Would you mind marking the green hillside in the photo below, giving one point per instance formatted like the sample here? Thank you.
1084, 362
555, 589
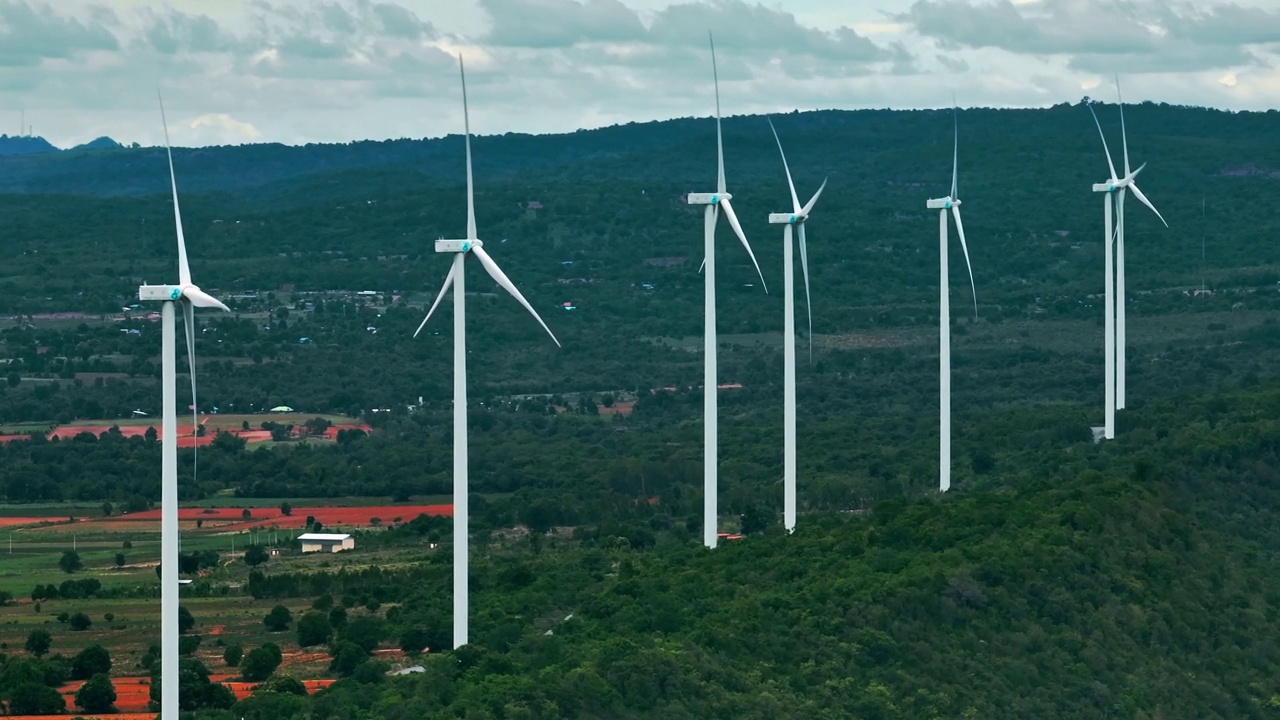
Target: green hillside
1059, 579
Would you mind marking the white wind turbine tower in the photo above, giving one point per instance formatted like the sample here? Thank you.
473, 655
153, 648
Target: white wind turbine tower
713, 202
457, 280
1114, 305
950, 202
796, 218
190, 297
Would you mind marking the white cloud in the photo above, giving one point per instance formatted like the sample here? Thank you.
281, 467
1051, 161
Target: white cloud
227, 129
333, 70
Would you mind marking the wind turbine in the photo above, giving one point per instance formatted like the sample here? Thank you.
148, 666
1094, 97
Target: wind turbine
1114, 326
457, 280
796, 218
950, 202
714, 202
190, 297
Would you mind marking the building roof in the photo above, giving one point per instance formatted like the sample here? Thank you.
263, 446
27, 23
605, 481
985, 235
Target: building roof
331, 537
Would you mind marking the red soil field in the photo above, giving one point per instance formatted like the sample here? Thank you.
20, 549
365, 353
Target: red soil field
185, 437
11, 521
133, 694
266, 517
350, 516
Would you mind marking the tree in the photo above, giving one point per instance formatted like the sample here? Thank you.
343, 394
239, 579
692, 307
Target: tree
231, 656
259, 664
79, 621
32, 698
188, 644
38, 642
194, 687
338, 617
278, 619
414, 640
70, 561
97, 695
286, 508
89, 662
245, 514
323, 603
120, 559
313, 629
347, 656
186, 620
364, 631
286, 684
107, 508
755, 520
255, 555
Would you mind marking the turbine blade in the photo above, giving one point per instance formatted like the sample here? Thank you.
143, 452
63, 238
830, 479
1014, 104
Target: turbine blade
955, 149
808, 303
200, 298
496, 273
795, 201
955, 209
814, 200
448, 283
1143, 199
715, 75
184, 270
189, 319
737, 229
1124, 137
466, 123
703, 265
1111, 166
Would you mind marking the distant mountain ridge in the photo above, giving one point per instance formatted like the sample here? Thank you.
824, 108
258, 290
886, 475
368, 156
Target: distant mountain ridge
878, 143
36, 145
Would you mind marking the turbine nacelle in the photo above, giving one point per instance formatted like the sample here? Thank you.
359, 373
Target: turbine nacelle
173, 293
159, 293
1115, 184
945, 203
457, 246
787, 218
708, 198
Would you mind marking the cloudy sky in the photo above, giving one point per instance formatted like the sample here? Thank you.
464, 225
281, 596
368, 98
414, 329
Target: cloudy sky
298, 71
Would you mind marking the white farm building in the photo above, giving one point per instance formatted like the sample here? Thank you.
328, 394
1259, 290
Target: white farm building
326, 542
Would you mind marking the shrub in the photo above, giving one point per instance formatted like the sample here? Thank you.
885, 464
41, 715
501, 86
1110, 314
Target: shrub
231, 656
278, 619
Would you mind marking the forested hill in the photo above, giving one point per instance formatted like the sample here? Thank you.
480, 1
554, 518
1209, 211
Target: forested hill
885, 144
1115, 593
